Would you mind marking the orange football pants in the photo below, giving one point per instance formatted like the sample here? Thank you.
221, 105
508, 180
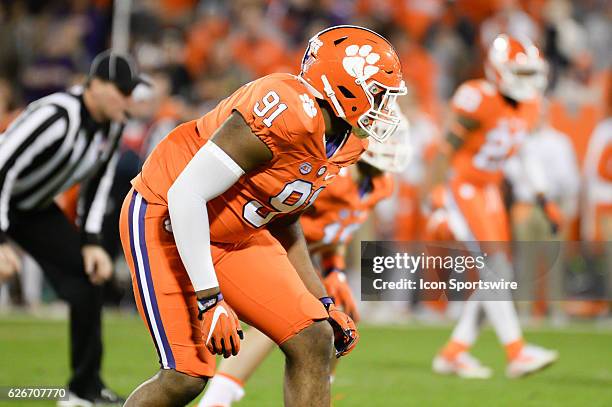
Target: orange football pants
255, 276
480, 208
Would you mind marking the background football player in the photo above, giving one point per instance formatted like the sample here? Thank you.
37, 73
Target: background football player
490, 119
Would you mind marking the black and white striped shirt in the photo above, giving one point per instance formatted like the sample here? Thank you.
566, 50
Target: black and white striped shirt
48, 148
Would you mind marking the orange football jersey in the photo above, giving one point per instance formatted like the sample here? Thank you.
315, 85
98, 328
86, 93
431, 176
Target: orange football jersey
502, 128
343, 207
283, 114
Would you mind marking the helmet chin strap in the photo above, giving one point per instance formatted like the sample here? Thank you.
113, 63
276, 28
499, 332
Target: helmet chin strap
311, 88
332, 96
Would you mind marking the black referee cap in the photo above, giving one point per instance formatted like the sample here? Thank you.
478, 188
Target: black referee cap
116, 68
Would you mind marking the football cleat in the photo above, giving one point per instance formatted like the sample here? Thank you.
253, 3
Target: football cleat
530, 360
464, 365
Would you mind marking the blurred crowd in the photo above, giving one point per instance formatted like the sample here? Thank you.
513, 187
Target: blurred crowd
197, 52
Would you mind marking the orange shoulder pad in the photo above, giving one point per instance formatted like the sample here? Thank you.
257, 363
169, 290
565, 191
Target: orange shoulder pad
470, 99
280, 110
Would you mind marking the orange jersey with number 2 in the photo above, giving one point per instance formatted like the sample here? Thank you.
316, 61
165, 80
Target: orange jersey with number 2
502, 128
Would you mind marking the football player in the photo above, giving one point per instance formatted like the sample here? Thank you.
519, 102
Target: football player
490, 119
211, 229
328, 226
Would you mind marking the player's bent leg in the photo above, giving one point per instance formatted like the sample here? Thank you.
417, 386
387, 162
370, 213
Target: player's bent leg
255, 348
168, 388
166, 302
307, 368
259, 282
227, 386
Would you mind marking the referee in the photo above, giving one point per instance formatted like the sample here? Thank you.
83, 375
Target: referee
58, 141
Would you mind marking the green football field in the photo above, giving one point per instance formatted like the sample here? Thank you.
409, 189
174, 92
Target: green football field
390, 367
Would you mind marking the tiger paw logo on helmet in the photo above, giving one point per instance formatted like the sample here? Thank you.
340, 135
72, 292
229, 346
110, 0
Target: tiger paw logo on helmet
359, 61
358, 73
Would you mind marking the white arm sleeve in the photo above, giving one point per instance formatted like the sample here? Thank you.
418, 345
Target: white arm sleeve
209, 173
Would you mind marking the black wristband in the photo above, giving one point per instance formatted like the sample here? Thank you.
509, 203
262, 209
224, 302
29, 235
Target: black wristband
204, 304
91, 239
327, 302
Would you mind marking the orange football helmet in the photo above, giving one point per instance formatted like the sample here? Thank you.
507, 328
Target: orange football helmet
516, 67
359, 73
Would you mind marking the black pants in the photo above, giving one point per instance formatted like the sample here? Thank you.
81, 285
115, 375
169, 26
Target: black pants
50, 238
